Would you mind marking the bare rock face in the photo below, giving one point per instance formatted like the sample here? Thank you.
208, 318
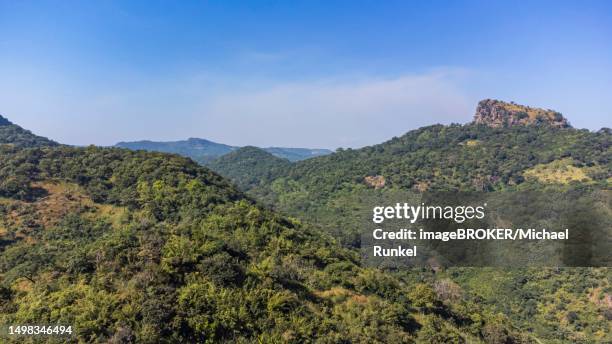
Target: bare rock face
377, 182
497, 114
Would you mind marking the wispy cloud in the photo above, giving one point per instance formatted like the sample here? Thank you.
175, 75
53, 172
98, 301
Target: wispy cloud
329, 113
341, 112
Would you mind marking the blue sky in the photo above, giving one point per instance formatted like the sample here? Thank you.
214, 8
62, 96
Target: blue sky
313, 73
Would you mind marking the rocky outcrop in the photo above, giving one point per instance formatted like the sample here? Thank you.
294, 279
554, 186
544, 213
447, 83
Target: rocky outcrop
377, 182
497, 114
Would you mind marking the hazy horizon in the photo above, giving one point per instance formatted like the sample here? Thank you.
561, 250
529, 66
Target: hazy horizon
301, 74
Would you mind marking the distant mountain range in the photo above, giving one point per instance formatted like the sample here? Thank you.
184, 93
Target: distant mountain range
136, 246
204, 151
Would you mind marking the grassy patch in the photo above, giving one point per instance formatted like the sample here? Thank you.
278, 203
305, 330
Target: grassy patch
560, 171
472, 143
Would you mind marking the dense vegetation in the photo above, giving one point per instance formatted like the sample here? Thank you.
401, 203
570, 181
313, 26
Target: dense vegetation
205, 151
250, 167
434, 158
131, 246
456, 157
15, 135
563, 305
147, 247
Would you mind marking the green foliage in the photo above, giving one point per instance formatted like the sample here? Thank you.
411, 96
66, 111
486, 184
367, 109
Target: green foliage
331, 192
550, 303
14, 135
147, 247
435, 158
438, 158
249, 167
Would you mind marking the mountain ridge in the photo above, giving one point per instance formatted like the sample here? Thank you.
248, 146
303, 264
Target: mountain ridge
249, 166
204, 151
13, 134
469, 157
495, 155
134, 246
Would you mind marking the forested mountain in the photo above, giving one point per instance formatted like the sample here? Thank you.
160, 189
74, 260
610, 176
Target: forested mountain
133, 246
15, 135
508, 147
250, 166
148, 247
479, 156
204, 151
200, 150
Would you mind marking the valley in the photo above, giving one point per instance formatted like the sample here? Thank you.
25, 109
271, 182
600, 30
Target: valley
305, 172
152, 247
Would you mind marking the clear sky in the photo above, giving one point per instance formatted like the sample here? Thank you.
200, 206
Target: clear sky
290, 73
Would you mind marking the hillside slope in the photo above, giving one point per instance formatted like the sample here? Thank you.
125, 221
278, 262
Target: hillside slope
477, 156
249, 166
332, 191
128, 246
15, 135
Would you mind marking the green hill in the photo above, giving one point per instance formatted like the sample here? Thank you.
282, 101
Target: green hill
15, 135
435, 158
537, 151
200, 150
249, 166
143, 247
472, 157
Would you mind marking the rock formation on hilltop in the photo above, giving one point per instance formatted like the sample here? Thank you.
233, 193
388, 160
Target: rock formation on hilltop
497, 114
